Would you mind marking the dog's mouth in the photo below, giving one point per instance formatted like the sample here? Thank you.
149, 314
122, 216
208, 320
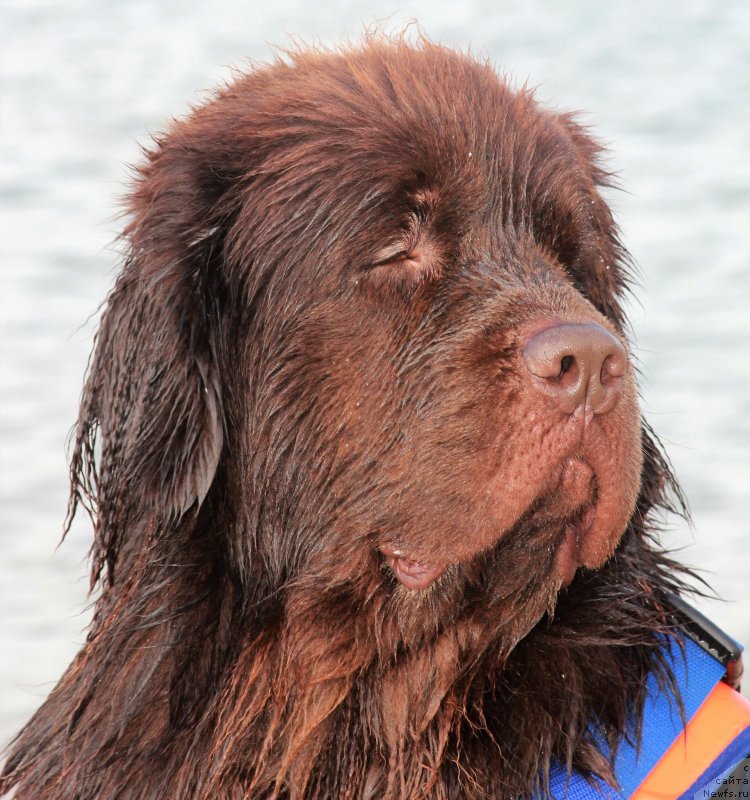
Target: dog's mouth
410, 573
571, 505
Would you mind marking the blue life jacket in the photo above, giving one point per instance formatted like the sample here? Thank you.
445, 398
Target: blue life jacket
700, 760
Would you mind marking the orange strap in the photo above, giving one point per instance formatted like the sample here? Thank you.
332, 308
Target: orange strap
723, 716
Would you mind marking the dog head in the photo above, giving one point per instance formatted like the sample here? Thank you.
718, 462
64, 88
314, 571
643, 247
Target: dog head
379, 292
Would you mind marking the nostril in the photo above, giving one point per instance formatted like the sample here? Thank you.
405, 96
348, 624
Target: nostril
566, 365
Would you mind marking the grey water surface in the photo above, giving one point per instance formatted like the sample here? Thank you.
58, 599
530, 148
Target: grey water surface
665, 84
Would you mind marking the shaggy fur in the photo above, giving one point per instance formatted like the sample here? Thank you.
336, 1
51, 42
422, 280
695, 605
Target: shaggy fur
312, 360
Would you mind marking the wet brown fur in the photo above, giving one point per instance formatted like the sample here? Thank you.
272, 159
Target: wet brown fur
312, 348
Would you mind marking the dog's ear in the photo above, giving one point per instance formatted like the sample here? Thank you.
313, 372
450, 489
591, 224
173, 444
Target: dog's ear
150, 430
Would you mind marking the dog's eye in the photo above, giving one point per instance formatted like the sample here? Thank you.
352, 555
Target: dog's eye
403, 270
395, 255
409, 261
414, 264
399, 259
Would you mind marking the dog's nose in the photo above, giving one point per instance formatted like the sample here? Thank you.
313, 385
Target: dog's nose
577, 363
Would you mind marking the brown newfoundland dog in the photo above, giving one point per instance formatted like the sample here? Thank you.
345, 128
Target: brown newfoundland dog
373, 500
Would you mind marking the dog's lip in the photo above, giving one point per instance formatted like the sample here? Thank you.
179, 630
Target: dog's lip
568, 557
410, 573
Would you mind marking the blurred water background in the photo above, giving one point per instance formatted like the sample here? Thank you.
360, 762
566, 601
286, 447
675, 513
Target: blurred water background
665, 84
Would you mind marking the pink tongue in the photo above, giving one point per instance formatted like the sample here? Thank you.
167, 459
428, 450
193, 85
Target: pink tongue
411, 574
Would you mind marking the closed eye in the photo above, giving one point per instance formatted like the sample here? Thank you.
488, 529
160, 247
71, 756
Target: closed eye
408, 261
396, 255
402, 271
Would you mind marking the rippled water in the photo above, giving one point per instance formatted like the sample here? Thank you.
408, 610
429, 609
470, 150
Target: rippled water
666, 84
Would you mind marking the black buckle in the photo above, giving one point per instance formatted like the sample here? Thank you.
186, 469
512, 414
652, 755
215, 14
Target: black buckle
711, 638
